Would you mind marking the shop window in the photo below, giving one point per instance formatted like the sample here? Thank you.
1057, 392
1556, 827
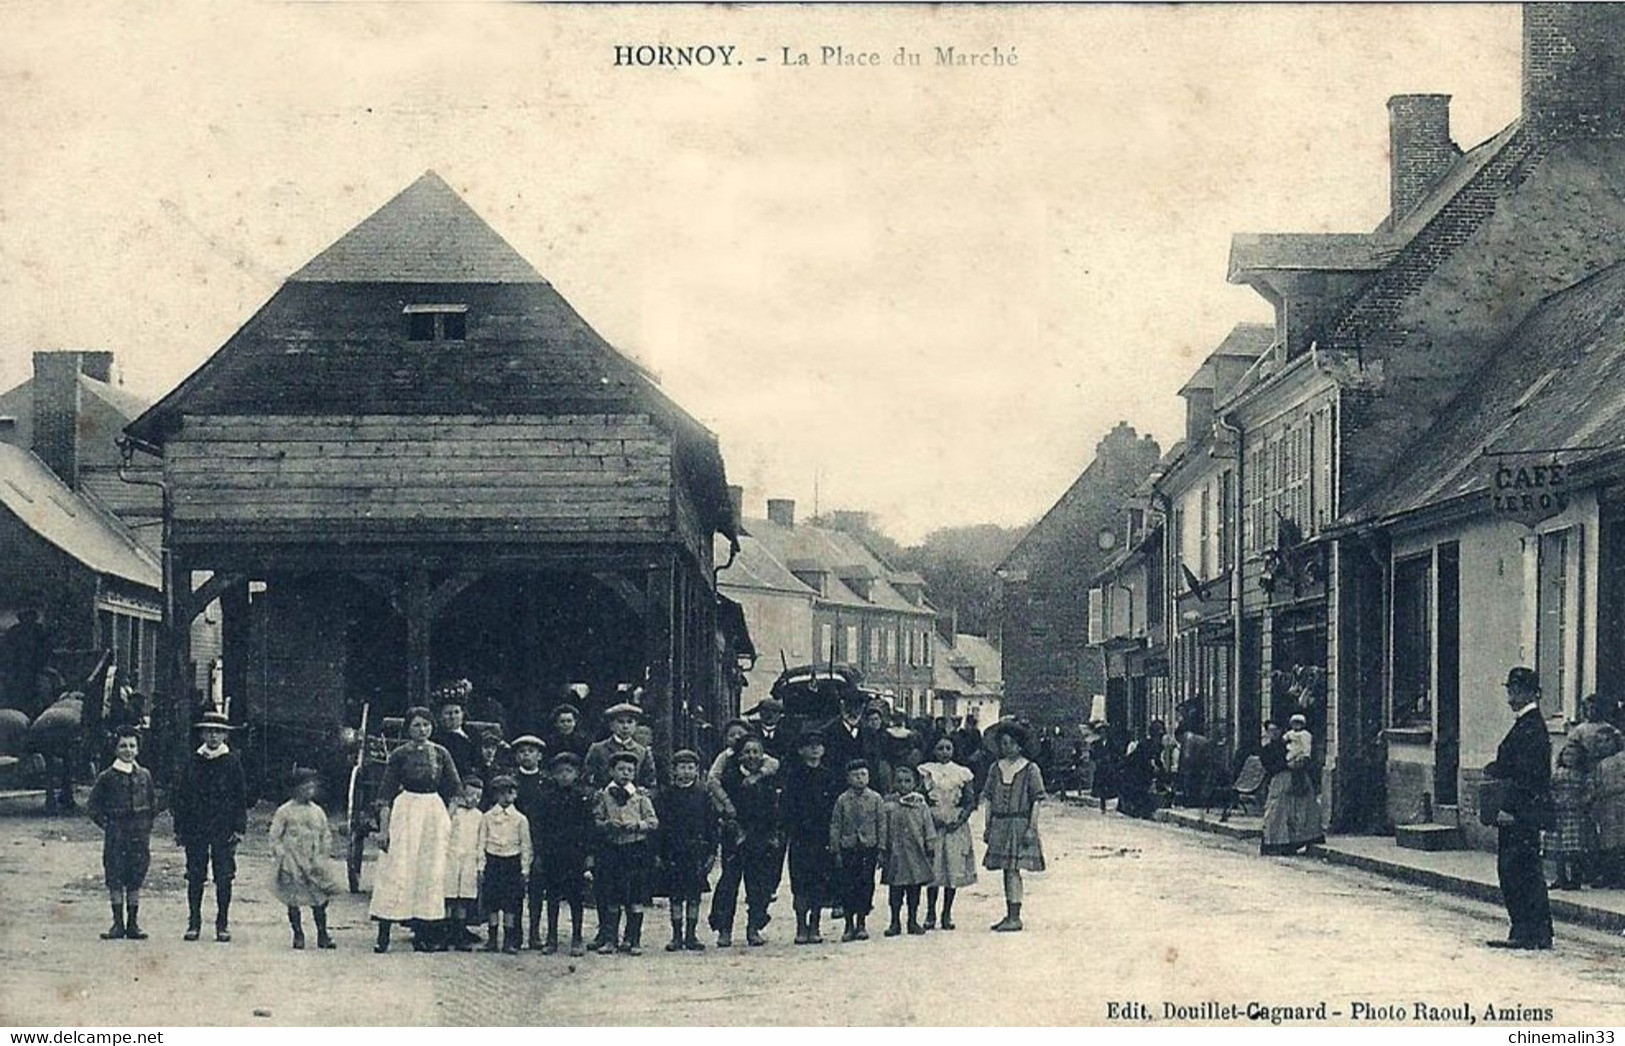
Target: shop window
852, 637
1413, 642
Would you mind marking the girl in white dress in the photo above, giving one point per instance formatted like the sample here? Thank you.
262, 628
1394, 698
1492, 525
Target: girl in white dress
951, 794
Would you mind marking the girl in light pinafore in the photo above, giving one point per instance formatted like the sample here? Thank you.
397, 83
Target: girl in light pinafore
1013, 790
301, 845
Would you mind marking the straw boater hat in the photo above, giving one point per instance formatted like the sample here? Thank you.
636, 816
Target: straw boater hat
213, 721
624, 708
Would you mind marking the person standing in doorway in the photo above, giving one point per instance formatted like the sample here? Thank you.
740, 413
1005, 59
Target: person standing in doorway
210, 808
1523, 762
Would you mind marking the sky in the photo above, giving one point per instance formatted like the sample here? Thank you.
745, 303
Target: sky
925, 291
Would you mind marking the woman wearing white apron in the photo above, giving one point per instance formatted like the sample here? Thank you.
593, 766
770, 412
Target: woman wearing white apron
413, 830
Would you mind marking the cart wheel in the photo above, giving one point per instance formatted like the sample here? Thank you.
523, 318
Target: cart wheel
358, 847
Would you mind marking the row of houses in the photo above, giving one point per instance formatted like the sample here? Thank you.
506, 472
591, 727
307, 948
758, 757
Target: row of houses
82, 527
815, 592
1406, 485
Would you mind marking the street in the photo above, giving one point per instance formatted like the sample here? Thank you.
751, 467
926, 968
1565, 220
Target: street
1131, 919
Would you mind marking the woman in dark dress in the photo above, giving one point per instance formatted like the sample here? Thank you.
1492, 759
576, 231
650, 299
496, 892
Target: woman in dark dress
1292, 818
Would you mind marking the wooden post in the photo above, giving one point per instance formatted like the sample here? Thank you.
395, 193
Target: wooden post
660, 600
415, 604
234, 648
173, 709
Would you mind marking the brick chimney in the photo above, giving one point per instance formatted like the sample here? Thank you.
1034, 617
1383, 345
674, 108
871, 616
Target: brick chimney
98, 365
1419, 148
56, 412
781, 511
736, 499
1574, 69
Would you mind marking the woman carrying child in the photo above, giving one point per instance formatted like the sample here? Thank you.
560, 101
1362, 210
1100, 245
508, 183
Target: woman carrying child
1013, 791
302, 846
951, 795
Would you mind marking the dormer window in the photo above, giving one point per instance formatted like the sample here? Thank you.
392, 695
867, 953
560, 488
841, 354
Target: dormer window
436, 322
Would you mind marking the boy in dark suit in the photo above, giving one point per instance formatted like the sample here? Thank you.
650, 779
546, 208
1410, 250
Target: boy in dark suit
122, 803
564, 831
210, 807
1524, 762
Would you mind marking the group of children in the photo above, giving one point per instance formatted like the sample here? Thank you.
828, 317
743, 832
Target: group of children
535, 837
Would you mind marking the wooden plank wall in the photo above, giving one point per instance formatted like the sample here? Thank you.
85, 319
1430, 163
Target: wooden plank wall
578, 477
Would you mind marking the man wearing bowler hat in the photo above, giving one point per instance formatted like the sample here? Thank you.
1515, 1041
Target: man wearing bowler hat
210, 806
1524, 763
768, 718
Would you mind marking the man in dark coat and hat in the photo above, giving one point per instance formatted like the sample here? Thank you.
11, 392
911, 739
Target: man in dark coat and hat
768, 719
1523, 763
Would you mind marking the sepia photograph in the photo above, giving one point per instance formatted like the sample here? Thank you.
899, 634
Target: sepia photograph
872, 516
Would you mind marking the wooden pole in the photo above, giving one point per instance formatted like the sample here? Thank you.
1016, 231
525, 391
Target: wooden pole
658, 630
417, 608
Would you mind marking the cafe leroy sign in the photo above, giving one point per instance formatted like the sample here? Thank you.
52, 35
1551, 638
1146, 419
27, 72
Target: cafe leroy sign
1529, 486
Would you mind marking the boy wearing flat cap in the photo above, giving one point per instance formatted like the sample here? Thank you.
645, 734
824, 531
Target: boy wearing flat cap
623, 720
626, 819
209, 803
530, 782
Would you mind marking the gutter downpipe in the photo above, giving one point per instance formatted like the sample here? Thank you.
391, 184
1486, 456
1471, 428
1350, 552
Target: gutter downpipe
172, 672
1227, 423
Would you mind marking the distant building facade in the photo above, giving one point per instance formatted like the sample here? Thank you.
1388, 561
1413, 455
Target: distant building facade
1050, 673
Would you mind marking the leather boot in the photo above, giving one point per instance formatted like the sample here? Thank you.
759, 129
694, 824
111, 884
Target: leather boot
510, 940
298, 926
1011, 922
222, 912
492, 942
383, 937
634, 934
535, 941
676, 943
323, 940
194, 912
132, 923
115, 932
691, 942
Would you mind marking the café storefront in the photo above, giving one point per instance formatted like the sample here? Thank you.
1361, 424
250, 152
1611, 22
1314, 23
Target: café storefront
1510, 573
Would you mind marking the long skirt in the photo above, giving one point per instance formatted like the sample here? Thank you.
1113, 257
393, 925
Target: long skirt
411, 879
1291, 821
954, 862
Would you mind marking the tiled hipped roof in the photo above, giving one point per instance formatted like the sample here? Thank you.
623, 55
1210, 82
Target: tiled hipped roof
1503, 165
333, 341
834, 553
426, 234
